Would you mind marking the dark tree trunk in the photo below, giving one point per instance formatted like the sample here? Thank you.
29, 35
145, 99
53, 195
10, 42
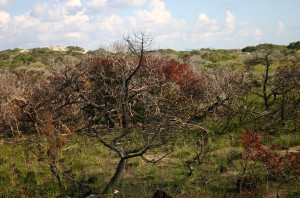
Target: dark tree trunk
266, 99
56, 175
116, 176
282, 110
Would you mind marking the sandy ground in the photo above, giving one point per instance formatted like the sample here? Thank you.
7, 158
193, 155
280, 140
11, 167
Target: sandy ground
58, 48
23, 51
55, 48
63, 49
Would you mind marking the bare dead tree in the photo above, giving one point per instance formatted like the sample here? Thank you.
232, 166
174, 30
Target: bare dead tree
274, 87
131, 101
127, 103
263, 57
138, 114
287, 86
32, 106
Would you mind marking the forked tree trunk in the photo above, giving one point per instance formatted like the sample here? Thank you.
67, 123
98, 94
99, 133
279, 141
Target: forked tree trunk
116, 176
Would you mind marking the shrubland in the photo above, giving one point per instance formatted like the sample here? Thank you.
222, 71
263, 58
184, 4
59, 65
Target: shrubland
130, 121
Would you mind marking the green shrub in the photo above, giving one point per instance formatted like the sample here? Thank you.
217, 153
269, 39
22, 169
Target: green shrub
75, 48
195, 52
17, 49
3, 63
167, 51
249, 49
294, 45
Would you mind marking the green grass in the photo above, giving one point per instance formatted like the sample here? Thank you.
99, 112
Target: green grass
23, 175
288, 140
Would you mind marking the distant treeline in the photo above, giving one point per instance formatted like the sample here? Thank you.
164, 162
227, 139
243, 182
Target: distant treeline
293, 45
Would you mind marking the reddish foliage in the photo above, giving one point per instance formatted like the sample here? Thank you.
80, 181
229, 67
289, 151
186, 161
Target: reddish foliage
291, 164
107, 63
278, 147
283, 168
180, 73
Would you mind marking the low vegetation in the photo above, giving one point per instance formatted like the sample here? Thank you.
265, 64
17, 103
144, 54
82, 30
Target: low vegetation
135, 122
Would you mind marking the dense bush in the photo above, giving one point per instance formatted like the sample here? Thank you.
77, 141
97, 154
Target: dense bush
141, 106
75, 48
294, 45
282, 167
249, 49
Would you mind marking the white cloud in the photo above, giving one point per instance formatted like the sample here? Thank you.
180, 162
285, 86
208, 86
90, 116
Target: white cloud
4, 18
56, 12
112, 23
230, 20
4, 3
97, 4
157, 14
205, 22
108, 4
126, 3
4, 21
76, 35
244, 29
159, 22
24, 21
257, 33
209, 30
281, 27
45, 12
69, 22
49, 24
71, 3
203, 19
65, 22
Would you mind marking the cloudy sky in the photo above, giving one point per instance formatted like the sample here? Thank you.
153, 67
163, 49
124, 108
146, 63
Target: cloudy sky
177, 24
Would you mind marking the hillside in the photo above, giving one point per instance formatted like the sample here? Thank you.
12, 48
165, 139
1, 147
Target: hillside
137, 123
203, 58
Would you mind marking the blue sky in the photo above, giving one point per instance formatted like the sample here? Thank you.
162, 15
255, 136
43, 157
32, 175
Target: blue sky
176, 24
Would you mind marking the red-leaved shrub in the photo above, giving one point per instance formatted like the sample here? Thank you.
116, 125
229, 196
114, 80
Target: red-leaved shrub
284, 168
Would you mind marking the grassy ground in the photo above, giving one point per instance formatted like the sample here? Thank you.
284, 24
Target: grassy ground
23, 175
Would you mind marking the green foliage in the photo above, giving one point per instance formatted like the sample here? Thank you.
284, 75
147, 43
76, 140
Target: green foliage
249, 49
167, 51
294, 45
182, 54
17, 49
40, 51
16, 63
264, 46
218, 56
38, 56
23, 174
288, 140
195, 52
75, 48
216, 177
6, 54
3, 63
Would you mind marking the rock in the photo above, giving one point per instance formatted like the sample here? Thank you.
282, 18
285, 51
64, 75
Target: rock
115, 192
